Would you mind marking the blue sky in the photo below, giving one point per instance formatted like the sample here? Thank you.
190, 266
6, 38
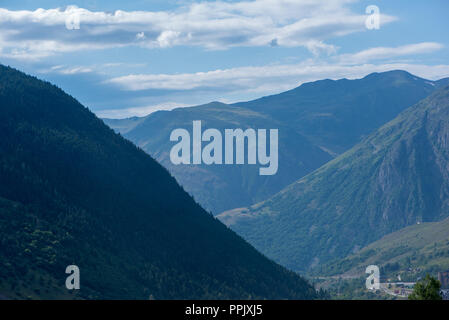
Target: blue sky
135, 57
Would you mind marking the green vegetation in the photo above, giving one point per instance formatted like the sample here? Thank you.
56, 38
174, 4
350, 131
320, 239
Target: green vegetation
426, 289
410, 253
74, 192
394, 178
351, 289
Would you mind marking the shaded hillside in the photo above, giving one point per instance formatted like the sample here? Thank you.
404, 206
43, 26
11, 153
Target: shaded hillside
396, 177
316, 122
220, 187
74, 192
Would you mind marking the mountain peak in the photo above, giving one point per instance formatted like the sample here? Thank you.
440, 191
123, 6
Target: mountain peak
394, 76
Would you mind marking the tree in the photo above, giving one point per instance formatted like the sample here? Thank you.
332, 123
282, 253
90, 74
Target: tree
426, 289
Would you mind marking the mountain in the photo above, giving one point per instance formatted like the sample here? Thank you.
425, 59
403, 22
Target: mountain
220, 187
411, 252
316, 122
396, 177
74, 192
336, 114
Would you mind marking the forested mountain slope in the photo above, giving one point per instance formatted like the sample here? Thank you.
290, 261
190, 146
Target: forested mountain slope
74, 192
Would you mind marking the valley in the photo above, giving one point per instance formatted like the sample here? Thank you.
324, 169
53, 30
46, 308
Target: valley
394, 178
316, 121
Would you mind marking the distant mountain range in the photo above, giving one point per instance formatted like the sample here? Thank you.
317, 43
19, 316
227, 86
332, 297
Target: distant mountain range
74, 192
317, 121
396, 177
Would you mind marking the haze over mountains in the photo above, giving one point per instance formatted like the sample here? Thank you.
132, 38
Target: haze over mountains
396, 177
74, 192
317, 121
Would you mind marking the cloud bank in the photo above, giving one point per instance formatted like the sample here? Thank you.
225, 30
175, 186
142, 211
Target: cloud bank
285, 76
211, 25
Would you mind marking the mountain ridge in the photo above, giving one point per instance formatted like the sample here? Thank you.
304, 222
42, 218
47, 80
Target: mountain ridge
395, 177
317, 121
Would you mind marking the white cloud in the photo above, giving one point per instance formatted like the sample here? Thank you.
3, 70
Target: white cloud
318, 47
72, 70
273, 78
168, 38
212, 25
390, 52
138, 111
140, 35
97, 68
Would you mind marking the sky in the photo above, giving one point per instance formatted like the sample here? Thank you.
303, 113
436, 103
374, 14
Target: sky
123, 59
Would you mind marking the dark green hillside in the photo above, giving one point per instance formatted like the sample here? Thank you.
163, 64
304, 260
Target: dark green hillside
74, 192
408, 254
398, 176
411, 252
